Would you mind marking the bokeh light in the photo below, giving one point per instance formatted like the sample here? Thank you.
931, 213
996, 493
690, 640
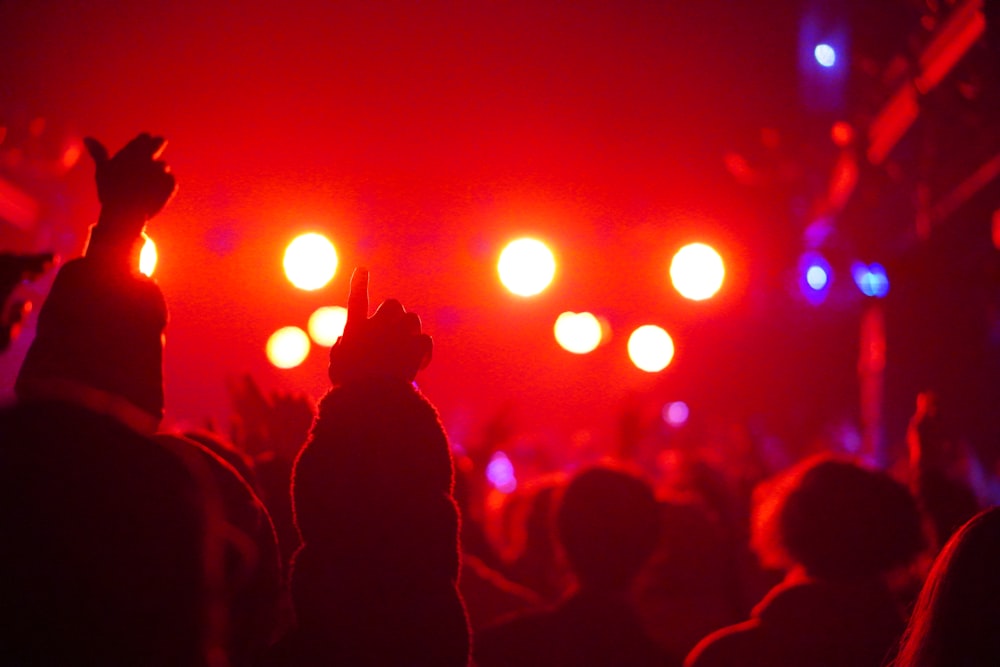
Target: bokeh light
676, 413
816, 277
310, 261
326, 325
697, 271
650, 348
871, 279
500, 473
578, 333
842, 133
288, 347
147, 256
526, 267
825, 55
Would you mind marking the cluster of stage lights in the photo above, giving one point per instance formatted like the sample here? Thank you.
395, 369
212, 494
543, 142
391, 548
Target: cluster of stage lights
526, 267
816, 278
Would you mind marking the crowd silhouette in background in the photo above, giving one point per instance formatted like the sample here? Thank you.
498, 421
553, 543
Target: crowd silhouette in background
350, 534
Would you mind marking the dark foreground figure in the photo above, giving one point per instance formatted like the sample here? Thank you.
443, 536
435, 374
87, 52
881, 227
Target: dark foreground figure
608, 525
839, 530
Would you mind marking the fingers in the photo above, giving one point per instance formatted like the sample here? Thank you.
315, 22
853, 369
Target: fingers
426, 346
389, 313
357, 302
96, 149
409, 324
143, 147
157, 145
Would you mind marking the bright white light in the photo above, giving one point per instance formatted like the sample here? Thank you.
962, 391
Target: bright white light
816, 277
676, 413
697, 271
310, 261
650, 348
526, 267
578, 333
326, 325
825, 55
288, 347
147, 256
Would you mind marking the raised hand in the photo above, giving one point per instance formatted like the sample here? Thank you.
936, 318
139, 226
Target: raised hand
264, 425
928, 444
132, 186
389, 344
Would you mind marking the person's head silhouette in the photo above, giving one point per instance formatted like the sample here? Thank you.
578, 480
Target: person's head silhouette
608, 524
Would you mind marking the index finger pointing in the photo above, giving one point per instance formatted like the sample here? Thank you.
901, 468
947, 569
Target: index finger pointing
357, 302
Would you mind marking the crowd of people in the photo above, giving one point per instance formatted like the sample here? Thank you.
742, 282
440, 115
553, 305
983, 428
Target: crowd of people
351, 534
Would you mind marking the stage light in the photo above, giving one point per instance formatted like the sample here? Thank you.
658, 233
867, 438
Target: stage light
288, 347
842, 133
578, 333
816, 277
676, 413
500, 473
326, 325
650, 348
825, 55
697, 271
871, 279
147, 256
310, 261
526, 266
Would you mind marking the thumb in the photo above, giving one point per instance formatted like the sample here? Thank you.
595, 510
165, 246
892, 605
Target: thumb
96, 150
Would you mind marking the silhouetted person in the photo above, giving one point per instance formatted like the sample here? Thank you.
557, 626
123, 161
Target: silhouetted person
937, 479
537, 565
955, 621
102, 552
144, 548
375, 580
608, 524
838, 529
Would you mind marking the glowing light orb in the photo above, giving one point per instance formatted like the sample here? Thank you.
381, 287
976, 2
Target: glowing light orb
825, 55
697, 271
326, 325
871, 279
500, 473
288, 347
310, 261
147, 257
650, 348
816, 277
578, 333
676, 413
526, 267
842, 133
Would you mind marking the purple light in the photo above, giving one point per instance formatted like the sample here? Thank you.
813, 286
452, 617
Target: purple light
500, 473
825, 55
816, 277
871, 279
676, 413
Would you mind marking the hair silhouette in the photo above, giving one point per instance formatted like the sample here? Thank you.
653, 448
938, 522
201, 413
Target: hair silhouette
955, 619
